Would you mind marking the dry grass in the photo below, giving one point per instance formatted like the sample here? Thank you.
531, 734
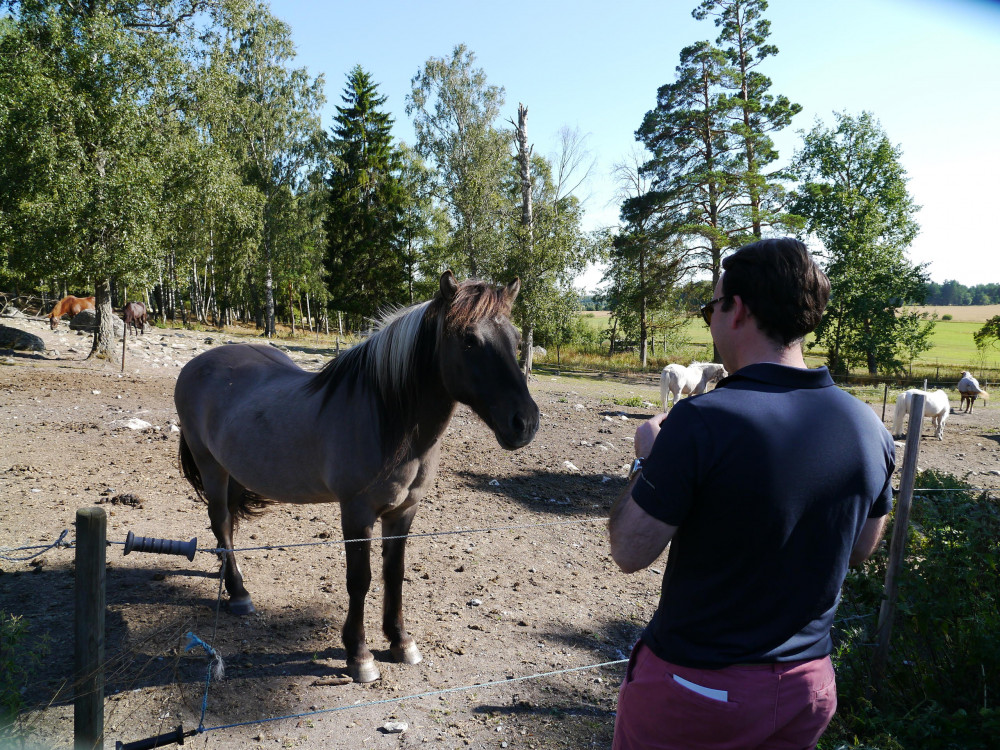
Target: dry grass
961, 313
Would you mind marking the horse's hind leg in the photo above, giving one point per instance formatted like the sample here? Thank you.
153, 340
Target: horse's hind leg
401, 643
223, 493
360, 662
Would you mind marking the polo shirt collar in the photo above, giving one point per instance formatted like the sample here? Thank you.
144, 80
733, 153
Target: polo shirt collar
781, 375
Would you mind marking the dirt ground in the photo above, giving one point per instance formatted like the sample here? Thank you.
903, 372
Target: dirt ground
527, 587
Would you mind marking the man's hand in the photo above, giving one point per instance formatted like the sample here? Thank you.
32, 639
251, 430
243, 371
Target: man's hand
645, 435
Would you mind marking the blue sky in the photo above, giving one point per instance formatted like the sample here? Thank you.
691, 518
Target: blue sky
929, 70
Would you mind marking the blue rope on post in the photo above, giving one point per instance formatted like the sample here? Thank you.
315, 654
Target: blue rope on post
218, 668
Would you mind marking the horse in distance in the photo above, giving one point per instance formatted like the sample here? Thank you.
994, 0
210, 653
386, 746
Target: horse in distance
936, 407
969, 390
135, 316
69, 305
364, 432
678, 380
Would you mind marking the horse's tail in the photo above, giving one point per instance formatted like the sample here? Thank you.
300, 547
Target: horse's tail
190, 469
242, 504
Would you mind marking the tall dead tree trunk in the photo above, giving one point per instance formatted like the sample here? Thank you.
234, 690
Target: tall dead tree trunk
527, 219
269, 326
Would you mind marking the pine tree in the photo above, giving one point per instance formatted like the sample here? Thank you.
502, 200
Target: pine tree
366, 222
754, 113
693, 193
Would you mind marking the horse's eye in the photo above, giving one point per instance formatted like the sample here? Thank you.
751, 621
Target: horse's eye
470, 341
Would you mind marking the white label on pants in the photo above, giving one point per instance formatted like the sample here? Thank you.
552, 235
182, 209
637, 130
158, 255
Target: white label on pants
719, 695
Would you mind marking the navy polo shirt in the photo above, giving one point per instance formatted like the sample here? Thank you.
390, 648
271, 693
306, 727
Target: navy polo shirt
769, 478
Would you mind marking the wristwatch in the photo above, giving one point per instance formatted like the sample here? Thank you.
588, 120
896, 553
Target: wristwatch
636, 467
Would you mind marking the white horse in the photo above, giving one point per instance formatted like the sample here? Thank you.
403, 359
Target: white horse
968, 389
688, 381
936, 407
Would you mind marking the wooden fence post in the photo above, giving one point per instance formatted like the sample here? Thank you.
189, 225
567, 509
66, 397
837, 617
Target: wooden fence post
897, 547
88, 649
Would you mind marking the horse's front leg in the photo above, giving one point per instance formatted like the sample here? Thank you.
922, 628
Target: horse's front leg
360, 662
401, 643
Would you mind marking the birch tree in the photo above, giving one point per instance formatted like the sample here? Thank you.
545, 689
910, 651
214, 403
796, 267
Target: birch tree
274, 133
454, 112
87, 132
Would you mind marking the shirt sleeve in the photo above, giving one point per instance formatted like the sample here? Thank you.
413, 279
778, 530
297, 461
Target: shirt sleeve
667, 483
883, 503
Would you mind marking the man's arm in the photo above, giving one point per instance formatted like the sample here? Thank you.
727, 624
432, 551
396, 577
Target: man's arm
871, 535
637, 538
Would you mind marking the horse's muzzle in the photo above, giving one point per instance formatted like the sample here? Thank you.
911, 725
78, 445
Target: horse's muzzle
518, 428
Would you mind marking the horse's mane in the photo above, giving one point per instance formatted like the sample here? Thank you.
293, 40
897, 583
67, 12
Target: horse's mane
386, 358
399, 353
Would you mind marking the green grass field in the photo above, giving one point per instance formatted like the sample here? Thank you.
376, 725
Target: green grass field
953, 348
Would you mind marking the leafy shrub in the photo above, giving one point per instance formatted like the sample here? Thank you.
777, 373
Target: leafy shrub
17, 664
946, 316
942, 681
628, 401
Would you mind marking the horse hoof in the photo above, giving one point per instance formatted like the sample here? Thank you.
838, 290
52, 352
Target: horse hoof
406, 655
364, 671
241, 606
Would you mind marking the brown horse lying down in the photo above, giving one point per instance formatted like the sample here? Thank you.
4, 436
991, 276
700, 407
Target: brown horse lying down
69, 305
135, 316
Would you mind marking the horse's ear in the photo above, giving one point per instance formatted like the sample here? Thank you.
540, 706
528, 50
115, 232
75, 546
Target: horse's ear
449, 286
510, 291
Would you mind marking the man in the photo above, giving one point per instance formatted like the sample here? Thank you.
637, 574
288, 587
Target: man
766, 488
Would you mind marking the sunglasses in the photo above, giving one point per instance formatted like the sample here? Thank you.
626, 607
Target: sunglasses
709, 307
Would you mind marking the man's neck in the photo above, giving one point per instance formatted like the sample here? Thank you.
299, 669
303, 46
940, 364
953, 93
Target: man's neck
768, 351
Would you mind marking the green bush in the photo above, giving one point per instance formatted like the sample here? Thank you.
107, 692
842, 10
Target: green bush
17, 664
941, 689
636, 401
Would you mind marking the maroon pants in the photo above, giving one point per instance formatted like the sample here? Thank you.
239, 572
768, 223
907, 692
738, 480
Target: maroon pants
742, 707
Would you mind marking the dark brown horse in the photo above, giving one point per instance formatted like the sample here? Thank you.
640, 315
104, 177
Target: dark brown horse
365, 432
135, 316
69, 305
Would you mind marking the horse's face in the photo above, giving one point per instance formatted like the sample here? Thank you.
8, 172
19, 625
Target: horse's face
479, 368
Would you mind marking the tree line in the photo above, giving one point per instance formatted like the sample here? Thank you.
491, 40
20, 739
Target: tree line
168, 150
953, 293
709, 180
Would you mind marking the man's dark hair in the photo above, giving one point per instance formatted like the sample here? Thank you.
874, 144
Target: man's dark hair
781, 284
